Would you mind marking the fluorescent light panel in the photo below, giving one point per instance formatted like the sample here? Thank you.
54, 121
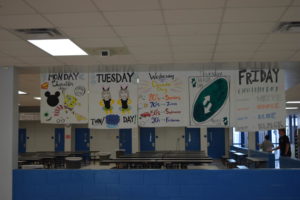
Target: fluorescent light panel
291, 108
293, 102
21, 92
37, 98
59, 47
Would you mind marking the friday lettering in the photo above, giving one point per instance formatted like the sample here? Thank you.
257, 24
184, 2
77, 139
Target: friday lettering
262, 75
63, 76
114, 77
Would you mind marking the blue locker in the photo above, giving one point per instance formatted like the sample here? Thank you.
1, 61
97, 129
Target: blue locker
22, 140
125, 140
192, 139
59, 139
82, 139
147, 139
216, 142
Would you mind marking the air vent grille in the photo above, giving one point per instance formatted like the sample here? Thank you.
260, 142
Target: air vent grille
39, 33
288, 27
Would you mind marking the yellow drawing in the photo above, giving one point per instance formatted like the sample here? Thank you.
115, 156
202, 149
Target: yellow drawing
106, 102
124, 100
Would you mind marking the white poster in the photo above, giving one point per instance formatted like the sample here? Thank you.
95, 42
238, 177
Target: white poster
64, 98
112, 100
258, 101
209, 99
163, 98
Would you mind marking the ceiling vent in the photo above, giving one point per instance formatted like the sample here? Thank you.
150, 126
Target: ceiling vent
107, 51
39, 33
288, 27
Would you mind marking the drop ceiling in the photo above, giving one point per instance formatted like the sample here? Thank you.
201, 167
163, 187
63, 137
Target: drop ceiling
153, 31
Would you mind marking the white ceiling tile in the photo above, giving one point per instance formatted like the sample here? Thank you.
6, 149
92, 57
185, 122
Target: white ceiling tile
193, 16
7, 36
146, 41
192, 56
10, 7
193, 40
113, 5
149, 50
296, 3
20, 48
24, 21
292, 14
253, 14
233, 56
283, 38
59, 6
257, 3
236, 48
192, 4
191, 61
273, 55
154, 57
140, 31
193, 29
117, 60
78, 60
134, 18
241, 39
193, 49
280, 46
96, 43
89, 32
9, 61
40, 61
295, 57
247, 28
77, 19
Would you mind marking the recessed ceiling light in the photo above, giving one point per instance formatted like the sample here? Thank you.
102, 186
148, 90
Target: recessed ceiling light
21, 92
293, 102
37, 98
59, 47
291, 108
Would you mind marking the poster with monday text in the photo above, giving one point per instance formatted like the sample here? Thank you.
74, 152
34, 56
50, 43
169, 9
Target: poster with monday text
163, 99
112, 100
64, 98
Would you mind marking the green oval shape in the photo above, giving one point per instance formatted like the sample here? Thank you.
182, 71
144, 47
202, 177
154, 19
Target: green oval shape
210, 100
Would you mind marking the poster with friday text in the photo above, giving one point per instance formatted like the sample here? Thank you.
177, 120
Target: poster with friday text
209, 99
64, 98
112, 100
258, 101
162, 99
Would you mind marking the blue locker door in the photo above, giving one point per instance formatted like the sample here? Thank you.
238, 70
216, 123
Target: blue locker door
216, 142
22, 140
192, 139
82, 139
125, 140
59, 139
147, 139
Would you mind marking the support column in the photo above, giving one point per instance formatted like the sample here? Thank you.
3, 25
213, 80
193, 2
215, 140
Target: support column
251, 140
135, 140
68, 137
203, 136
9, 130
